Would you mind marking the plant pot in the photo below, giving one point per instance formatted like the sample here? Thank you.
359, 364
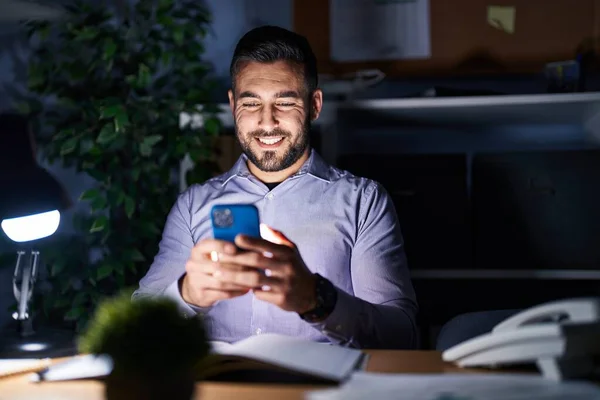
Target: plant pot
134, 387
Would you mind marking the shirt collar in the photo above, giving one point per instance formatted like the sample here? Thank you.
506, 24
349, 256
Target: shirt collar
314, 165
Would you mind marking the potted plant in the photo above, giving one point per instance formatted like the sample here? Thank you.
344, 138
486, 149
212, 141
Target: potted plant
106, 90
155, 351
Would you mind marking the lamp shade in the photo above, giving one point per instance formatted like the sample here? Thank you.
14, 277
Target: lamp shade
25, 188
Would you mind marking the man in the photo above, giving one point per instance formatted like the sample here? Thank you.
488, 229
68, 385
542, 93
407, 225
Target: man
335, 268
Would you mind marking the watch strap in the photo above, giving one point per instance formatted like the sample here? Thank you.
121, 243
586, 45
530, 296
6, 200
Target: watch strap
326, 295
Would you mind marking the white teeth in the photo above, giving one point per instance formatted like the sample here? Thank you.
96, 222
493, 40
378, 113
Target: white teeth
269, 140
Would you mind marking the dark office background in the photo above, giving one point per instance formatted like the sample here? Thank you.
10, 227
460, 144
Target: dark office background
473, 194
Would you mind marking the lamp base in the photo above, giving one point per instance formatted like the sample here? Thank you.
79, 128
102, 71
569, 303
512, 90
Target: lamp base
44, 343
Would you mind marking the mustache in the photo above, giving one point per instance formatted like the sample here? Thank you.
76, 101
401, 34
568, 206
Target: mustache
274, 133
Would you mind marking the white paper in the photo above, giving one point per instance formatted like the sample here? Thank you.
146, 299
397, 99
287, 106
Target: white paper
365, 385
78, 367
365, 30
319, 359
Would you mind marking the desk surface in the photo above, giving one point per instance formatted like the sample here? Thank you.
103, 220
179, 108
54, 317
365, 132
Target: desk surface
390, 361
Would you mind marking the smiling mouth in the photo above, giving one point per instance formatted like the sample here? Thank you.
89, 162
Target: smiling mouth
270, 140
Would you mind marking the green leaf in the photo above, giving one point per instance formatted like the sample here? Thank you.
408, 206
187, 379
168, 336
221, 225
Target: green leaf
98, 203
62, 301
104, 271
145, 150
129, 206
212, 126
80, 298
58, 266
68, 146
143, 76
178, 35
107, 134
121, 120
110, 111
89, 194
109, 49
135, 173
136, 255
74, 313
152, 140
87, 33
99, 224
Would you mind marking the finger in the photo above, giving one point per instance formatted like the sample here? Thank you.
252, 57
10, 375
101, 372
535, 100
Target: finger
207, 267
254, 260
249, 279
214, 294
270, 296
203, 248
274, 236
213, 283
262, 246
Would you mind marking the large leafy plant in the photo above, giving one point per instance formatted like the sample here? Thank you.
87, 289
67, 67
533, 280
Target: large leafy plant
109, 87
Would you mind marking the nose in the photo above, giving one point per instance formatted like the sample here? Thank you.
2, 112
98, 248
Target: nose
268, 120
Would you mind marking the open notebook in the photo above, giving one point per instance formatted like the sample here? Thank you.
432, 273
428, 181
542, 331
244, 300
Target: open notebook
267, 357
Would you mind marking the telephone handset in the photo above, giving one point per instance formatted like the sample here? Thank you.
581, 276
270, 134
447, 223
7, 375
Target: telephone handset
582, 310
561, 337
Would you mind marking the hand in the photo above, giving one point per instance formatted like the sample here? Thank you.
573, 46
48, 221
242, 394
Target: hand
200, 286
285, 280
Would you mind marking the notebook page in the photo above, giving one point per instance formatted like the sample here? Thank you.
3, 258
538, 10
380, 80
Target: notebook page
302, 355
457, 387
218, 347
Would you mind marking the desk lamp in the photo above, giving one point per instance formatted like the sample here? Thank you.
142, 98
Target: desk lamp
30, 204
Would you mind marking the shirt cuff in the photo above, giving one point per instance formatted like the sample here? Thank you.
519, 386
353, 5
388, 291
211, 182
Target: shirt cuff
188, 310
338, 326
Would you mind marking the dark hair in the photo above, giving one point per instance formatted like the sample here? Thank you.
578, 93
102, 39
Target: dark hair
268, 44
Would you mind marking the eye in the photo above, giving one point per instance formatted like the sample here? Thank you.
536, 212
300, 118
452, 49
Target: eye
250, 105
285, 104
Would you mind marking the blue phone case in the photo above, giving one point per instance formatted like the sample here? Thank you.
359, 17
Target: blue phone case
230, 220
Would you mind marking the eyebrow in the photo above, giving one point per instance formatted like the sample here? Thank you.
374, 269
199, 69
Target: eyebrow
285, 93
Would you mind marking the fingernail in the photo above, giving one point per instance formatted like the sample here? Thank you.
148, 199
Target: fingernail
265, 288
267, 254
268, 272
214, 256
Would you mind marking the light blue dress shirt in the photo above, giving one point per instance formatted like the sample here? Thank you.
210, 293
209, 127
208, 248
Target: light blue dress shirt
345, 228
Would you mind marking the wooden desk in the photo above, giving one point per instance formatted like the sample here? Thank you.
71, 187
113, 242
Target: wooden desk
19, 388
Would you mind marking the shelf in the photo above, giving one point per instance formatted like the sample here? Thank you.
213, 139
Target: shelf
570, 108
537, 274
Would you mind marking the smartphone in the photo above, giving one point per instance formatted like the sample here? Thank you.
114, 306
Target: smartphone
230, 220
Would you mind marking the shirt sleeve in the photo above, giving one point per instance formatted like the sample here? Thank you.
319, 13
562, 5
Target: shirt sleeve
382, 310
162, 279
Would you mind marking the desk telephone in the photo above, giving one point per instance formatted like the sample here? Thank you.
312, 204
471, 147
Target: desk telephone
561, 337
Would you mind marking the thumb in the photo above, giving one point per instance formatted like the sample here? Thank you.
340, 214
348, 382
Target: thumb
274, 236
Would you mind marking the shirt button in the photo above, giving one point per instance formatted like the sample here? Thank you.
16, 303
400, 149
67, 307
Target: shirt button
258, 331
270, 196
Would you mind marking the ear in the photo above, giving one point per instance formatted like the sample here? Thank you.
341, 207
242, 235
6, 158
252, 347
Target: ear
231, 100
316, 104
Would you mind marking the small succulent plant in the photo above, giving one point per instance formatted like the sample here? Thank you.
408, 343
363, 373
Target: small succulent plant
146, 337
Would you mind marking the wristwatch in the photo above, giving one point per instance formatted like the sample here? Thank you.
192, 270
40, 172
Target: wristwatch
326, 299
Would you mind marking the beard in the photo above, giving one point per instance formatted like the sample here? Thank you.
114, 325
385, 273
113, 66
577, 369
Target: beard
269, 160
